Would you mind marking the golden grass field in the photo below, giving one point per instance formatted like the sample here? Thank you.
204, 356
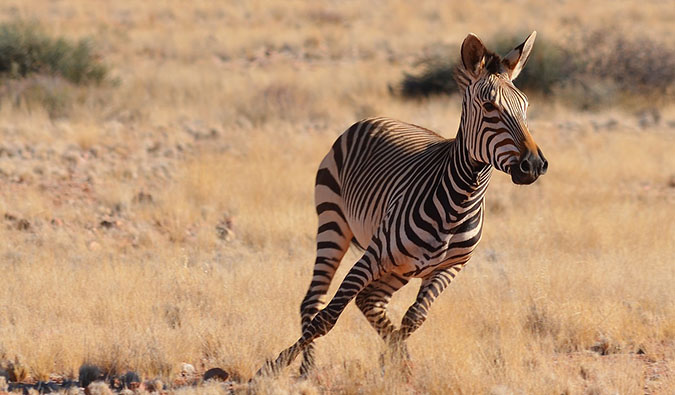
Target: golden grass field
168, 217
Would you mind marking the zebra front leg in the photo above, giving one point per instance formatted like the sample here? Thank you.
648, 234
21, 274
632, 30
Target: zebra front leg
357, 279
430, 289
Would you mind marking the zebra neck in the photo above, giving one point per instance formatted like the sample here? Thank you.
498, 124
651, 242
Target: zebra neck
464, 176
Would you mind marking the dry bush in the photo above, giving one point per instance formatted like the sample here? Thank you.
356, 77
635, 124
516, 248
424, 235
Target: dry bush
589, 71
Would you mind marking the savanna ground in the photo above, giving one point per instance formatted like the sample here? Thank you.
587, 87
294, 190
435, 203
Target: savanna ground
166, 214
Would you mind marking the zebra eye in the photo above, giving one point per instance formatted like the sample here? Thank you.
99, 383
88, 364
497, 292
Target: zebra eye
489, 106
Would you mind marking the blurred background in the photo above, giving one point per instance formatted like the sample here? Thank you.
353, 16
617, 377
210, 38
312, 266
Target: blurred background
157, 162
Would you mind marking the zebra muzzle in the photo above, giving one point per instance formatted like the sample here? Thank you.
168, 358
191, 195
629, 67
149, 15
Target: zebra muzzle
529, 168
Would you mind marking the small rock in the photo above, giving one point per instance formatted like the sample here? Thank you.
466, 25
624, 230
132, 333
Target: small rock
89, 373
605, 346
155, 385
23, 224
3, 382
217, 374
143, 197
225, 228
98, 388
187, 370
130, 379
47, 387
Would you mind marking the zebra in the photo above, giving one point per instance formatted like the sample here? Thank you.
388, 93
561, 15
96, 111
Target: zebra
413, 201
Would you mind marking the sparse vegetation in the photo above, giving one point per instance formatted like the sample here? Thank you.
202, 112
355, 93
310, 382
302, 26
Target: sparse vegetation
41, 72
593, 71
170, 221
25, 49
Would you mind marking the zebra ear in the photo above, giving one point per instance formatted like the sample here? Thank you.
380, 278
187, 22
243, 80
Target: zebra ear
515, 60
473, 54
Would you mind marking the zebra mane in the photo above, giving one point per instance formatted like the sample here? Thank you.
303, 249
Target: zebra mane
492, 64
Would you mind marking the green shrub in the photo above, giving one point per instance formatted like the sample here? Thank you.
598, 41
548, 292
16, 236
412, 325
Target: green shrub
25, 49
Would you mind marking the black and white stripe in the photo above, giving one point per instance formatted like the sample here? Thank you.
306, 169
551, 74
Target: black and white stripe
413, 200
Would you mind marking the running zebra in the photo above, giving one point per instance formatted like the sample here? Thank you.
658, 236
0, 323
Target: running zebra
413, 201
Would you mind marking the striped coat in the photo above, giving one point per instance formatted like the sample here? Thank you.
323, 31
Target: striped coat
413, 201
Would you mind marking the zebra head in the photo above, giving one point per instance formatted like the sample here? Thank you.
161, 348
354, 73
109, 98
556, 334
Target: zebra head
494, 111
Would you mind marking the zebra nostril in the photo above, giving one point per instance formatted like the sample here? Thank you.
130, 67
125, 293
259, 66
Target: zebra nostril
525, 166
544, 167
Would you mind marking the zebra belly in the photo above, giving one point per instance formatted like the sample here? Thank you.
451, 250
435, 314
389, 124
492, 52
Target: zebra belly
427, 264
455, 249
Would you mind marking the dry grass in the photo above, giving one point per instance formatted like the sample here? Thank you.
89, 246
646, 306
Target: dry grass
169, 219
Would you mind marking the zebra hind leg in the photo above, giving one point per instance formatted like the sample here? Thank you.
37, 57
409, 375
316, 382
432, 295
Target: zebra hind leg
333, 239
356, 280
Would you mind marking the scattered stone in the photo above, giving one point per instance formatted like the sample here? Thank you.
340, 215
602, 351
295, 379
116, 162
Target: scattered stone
130, 380
3, 382
47, 387
93, 245
18, 223
98, 388
90, 373
154, 147
155, 385
225, 228
604, 125
604, 346
187, 370
217, 374
143, 197
105, 224
23, 224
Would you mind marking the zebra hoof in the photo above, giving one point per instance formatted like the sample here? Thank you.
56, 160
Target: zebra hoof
397, 364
